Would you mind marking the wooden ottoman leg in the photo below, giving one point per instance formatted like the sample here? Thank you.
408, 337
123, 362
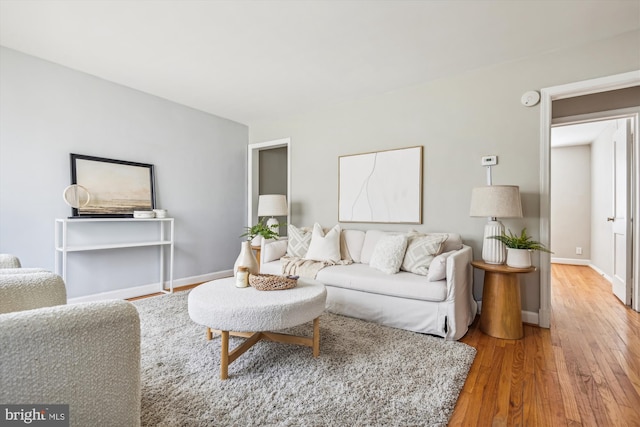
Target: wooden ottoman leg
224, 355
316, 337
209, 334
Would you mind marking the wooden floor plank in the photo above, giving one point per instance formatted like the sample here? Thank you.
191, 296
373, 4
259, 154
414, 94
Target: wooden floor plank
584, 371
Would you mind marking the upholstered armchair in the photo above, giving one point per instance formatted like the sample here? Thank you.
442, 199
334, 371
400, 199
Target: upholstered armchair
85, 355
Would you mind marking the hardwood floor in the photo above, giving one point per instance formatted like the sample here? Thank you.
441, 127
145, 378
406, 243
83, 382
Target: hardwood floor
585, 370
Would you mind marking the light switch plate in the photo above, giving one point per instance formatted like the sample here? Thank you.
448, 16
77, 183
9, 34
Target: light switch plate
489, 160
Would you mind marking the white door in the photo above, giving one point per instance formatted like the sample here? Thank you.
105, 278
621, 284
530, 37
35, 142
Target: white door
621, 217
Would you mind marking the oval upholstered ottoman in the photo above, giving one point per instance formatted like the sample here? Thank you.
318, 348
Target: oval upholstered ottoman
247, 312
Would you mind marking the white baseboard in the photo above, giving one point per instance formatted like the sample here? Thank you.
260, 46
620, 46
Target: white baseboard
571, 261
602, 273
527, 316
150, 288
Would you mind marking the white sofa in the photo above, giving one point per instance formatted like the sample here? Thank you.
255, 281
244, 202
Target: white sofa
403, 300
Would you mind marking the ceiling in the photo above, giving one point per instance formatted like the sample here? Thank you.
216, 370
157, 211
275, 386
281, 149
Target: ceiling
578, 134
250, 61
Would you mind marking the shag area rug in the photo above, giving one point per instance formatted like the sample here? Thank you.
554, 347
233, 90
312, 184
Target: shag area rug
366, 375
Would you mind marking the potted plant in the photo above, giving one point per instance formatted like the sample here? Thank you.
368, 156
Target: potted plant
261, 229
519, 248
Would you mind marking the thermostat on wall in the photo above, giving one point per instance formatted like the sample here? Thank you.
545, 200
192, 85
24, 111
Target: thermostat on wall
531, 98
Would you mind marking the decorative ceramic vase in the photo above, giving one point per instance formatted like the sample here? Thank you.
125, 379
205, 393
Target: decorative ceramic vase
246, 259
518, 258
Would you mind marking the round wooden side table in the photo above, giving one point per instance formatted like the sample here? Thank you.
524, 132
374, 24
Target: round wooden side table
501, 315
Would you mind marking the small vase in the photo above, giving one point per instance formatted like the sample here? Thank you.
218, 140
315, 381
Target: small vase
246, 259
518, 258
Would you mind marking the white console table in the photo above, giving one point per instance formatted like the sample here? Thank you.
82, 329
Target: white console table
163, 239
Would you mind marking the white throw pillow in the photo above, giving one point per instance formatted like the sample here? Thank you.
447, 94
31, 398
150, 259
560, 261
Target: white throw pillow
388, 253
324, 247
421, 250
298, 241
438, 267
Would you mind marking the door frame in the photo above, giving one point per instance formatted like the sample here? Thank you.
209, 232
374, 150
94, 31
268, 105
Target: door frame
547, 96
253, 162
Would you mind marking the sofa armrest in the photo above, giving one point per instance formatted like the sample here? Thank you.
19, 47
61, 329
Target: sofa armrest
460, 292
272, 249
85, 355
9, 261
30, 289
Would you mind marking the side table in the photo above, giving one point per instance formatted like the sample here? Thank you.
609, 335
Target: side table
501, 315
257, 249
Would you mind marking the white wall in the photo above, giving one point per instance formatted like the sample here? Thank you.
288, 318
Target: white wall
48, 111
571, 202
458, 120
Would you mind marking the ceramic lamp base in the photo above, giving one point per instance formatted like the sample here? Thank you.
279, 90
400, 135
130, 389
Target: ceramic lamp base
271, 222
493, 251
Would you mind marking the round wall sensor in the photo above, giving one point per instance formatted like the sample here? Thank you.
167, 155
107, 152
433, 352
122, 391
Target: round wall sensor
531, 98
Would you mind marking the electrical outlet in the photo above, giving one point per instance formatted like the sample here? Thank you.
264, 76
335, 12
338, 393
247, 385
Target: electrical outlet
489, 160
578, 250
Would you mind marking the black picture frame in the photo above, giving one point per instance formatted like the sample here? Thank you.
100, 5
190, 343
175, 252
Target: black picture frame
117, 187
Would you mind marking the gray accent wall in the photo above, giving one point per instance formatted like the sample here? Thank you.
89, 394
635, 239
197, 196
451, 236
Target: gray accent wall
48, 111
458, 120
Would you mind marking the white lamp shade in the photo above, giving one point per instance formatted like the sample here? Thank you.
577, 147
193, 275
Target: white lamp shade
272, 205
496, 201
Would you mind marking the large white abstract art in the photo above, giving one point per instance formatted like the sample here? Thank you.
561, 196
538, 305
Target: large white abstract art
383, 187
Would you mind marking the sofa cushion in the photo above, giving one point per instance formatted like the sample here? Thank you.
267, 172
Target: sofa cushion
370, 240
362, 277
273, 251
421, 250
388, 254
351, 244
438, 267
298, 241
324, 247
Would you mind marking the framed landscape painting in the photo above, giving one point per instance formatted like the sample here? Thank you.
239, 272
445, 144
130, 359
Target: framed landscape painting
116, 187
381, 187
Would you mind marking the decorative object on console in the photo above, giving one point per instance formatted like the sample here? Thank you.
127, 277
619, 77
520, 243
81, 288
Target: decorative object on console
160, 213
76, 196
144, 214
382, 187
273, 205
117, 187
246, 259
519, 248
495, 201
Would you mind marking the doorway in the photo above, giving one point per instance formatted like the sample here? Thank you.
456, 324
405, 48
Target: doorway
269, 172
587, 176
548, 95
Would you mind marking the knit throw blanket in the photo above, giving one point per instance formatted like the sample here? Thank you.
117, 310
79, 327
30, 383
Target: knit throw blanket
294, 266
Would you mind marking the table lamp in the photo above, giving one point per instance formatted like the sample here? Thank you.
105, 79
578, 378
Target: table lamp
495, 201
272, 205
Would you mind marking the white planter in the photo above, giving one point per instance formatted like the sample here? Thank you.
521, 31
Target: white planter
518, 258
